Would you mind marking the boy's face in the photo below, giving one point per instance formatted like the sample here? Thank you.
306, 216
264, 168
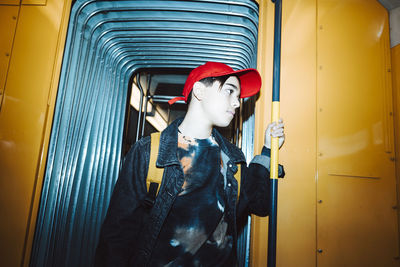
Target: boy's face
220, 103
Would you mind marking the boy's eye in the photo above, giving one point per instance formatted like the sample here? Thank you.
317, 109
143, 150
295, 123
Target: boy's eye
230, 91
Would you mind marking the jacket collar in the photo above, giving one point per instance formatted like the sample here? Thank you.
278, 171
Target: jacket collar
167, 152
232, 151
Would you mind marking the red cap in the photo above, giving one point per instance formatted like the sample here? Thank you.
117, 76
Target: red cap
250, 79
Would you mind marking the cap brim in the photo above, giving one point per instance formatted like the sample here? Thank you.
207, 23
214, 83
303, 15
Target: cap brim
250, 82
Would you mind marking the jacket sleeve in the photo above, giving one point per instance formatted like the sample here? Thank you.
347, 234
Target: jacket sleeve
125, 212
256, 186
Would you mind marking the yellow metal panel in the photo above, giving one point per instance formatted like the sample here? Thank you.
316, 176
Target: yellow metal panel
357, 225
25, 122
34, 2
8, 22
396, 110
10, 2
296, 192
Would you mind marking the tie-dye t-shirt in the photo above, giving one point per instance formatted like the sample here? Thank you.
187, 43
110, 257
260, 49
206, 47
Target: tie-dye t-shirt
196, 232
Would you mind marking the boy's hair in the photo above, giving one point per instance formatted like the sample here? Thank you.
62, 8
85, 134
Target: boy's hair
209, 81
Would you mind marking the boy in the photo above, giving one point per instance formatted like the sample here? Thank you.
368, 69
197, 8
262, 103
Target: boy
192, 222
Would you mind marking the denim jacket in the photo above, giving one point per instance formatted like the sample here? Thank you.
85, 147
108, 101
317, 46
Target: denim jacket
130, 229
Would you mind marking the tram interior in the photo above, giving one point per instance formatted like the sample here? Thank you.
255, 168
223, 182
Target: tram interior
82, 80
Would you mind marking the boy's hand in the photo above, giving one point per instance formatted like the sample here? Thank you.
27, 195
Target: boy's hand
274, 129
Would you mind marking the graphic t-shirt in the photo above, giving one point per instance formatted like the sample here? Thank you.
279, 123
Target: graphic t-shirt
196, 232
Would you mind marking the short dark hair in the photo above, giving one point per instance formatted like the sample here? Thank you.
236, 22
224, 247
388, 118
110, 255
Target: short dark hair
209, 81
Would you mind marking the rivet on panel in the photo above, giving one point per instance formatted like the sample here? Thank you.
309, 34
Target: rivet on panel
320, 250
320, 67
320, 201
392, 158
7, 54
390, 113
321, 27
320, 154
320, 109
14, 17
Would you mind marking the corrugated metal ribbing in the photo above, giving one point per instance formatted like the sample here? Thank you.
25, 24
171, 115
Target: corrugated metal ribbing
107, 42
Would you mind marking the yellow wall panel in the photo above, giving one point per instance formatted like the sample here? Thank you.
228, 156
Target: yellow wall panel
296, 199
396, 109
356, 222
8, 23
34, 2
336, 99
25, 122
10, 2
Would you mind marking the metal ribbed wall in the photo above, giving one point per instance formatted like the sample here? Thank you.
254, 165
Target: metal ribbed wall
108, 41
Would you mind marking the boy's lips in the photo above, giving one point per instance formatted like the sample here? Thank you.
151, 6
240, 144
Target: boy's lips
231, 112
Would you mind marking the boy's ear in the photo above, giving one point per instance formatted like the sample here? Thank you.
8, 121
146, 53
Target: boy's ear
198, 90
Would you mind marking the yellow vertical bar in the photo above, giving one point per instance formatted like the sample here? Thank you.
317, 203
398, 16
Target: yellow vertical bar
275, 142
259, 226
395, 53
58, 38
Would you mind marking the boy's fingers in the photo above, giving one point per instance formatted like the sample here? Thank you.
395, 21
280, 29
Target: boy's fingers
276, 127
277, 133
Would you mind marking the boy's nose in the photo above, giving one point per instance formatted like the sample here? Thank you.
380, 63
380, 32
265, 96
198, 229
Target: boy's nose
236, 103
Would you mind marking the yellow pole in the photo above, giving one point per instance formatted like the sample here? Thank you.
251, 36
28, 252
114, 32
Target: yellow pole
274, 142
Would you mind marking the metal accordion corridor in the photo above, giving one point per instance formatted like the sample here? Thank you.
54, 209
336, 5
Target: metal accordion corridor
107, 43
